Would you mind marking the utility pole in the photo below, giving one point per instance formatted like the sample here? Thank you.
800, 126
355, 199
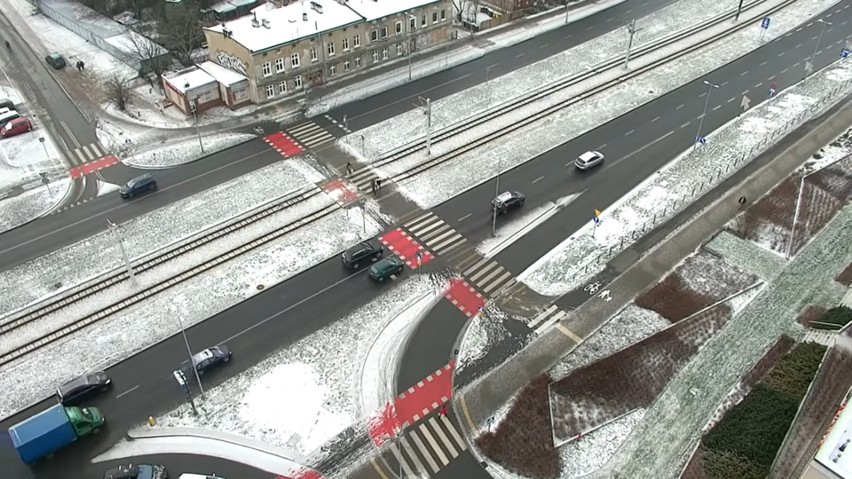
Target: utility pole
408, 40
120, 237
363, 151
739, 10
566, 12
631, 28
189, 352
428, 113
487, 84
710, 87
496, 193
819, 40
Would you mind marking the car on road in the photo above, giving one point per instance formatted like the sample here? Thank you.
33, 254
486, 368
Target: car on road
189, 475
362, 253
137, 471
589, 160
507, 201
55, 60
386, 268
138, 185
82, 387
211, 357
16, 126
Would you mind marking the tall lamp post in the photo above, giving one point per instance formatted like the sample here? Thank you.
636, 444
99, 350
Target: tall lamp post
496, 193
189, 352
193, 105
710, 87
819, 40
408, 41
566, 11
487, 84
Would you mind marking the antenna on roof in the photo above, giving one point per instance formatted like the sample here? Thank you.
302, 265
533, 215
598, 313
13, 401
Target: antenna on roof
254, 21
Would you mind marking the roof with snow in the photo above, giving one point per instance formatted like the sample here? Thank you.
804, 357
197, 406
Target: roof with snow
269, 27
836, 450
222, 75
188, 79
375, 9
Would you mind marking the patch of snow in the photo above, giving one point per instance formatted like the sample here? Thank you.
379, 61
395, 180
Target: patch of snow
106, 188
483, 332
32, 204
746, 255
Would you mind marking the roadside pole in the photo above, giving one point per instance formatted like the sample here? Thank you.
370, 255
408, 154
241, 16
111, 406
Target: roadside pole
120, 237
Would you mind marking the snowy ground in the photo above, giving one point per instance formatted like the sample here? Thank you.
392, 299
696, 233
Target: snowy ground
683, 178
259, 403
73, 264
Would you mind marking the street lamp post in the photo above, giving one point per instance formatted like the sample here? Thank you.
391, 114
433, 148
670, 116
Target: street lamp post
487, 83
120, 237
710, 87
819, 39
566, 12
193, 105
408, 41
189, 352
739, 10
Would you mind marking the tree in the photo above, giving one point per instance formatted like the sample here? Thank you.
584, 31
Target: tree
179, 28
117, 90
150, 56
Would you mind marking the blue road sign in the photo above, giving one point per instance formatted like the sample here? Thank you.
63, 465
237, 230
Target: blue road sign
764, 24
701, 140
844, 53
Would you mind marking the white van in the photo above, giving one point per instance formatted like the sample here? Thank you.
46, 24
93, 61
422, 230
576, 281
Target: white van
8, 116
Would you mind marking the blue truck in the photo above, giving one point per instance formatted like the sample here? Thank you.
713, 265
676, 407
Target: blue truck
51, 430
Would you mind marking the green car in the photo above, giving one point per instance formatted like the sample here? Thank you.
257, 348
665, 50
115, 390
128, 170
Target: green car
55, 60
383, 269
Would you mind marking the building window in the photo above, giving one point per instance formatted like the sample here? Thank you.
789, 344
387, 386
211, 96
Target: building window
374, 36
434, 17
356, 41
346, 65
398, 28
267, 69
443, 15
375, 56
282, 87
385, 53
332, 69
294, 60
398, 49
357, 62
385, 31
270, 91
297, 81
412, 23
314, 54
330, 48
345, 42
279, 65
423, 20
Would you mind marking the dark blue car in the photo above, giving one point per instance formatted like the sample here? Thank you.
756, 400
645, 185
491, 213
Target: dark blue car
138, 185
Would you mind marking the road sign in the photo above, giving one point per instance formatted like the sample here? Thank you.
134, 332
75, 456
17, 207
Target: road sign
809, 67
764, 24
41, 139
419, 258
844, 53
701, 140
745, 103
44, 179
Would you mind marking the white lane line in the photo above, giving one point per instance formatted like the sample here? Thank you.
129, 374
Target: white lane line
536, 180
702, 94
544, 45
798, 46
731, 99
717, 107
609, 19
642, 148
465, 217
745, 92
601, 147
655, 119
783, 71
519, 55
589, 28
630, 132
723, 83
771, 78
566, 37
679, 106
128, 391
686, 124
744, 73
757, 86
763, 63
782, 54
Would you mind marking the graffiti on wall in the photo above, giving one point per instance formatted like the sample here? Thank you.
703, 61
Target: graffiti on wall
228, 60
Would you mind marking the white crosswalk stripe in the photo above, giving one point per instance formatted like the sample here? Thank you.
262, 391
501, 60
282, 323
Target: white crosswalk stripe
433, 443
363, 177
546, 319
87, 153
489, 276
310, 135
436, 234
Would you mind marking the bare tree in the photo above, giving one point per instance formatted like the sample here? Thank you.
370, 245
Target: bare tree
117, 90
150, 56
179, 28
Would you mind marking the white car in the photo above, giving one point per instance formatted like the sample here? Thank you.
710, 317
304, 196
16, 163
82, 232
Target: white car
189, 475
589, 160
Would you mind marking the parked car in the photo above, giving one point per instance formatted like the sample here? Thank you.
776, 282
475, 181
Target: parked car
507, 201
55, 60
7, 103
385, 268
137, 471
589, 160
211, 357
82, 387
189, 475
16, 126
8, 116
138, 185
363, 252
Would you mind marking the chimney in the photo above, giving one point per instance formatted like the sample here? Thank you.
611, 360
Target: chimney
265, 23
304, 16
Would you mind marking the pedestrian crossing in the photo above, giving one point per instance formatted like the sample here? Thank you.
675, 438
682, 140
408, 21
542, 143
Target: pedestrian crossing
547, 318
363, 178
488, 276
424, 450
310, 134
435, 233
87, 153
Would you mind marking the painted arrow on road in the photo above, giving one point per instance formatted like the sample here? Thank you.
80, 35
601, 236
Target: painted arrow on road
744, 104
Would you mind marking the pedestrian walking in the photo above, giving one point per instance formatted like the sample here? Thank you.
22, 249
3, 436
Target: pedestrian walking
373, 185
443, 411
349, 168
379, 184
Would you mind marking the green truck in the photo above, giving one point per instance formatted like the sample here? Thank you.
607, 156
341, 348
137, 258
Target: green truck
51, 430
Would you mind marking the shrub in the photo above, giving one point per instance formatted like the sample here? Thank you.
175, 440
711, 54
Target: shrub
727, 465
795, 370
523, 441
840, 316
672, 299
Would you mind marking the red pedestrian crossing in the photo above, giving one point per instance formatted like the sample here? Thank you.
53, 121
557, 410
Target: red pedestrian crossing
464, 297
415, 403
283, 143
405, 247
92, 166
341, 190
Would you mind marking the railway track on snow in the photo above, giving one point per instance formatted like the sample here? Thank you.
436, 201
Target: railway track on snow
30, 315
556, 87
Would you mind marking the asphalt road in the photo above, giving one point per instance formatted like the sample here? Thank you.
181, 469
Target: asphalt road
37, 238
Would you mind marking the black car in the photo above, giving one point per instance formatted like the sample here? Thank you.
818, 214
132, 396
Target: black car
137, 471
82, 387
507, 201
211, 357
138, 185
363, 253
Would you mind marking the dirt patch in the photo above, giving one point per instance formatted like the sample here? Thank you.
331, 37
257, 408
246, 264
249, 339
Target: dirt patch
701, 280
769, 221
523, 441
629, 379
845, 276
810, 314
694, 469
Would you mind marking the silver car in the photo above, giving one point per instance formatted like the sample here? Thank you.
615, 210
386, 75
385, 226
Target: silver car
589, 160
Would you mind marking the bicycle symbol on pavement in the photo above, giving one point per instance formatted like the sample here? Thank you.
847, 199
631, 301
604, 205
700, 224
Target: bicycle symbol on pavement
606, 296
592, 288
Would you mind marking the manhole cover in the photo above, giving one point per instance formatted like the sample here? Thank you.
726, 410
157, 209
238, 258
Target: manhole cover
260, 287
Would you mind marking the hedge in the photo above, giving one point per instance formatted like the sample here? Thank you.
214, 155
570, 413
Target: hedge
796, 369
840, 316
727, 465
